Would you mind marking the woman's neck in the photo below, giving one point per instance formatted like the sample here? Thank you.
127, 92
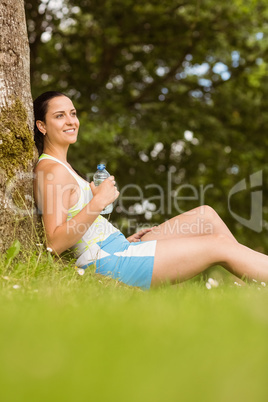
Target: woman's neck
60, 154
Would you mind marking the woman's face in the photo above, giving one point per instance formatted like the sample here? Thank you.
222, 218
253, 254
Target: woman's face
61, 123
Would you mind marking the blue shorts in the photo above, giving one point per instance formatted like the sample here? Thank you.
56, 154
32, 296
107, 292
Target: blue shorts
130, 263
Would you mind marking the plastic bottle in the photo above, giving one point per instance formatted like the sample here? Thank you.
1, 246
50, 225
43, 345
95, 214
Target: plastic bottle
98, 177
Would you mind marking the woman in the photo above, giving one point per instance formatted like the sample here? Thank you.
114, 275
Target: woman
71, 213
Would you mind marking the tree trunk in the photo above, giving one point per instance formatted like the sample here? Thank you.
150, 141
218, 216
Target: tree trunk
17, 150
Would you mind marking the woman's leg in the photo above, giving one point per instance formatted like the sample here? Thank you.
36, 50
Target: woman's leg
197, 222
180, 260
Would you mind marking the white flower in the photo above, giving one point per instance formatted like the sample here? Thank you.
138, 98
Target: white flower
213, 282
16, 286
208, 285
49, 249
6, 278
254, 280
237, 284
263, 284
80, 271
39, 244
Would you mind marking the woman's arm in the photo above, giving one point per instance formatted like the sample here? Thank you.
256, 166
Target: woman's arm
136, 237
56, 195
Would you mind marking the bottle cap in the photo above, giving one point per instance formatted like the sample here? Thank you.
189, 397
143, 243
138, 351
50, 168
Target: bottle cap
101, 166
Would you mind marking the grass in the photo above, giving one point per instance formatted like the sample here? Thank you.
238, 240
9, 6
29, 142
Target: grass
66, 337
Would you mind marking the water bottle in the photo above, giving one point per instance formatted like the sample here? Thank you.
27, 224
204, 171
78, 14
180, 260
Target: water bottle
98, 177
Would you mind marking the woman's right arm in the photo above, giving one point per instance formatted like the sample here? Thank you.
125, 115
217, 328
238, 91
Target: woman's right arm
56, 187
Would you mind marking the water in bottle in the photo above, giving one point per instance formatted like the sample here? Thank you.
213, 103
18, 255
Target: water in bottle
98, 177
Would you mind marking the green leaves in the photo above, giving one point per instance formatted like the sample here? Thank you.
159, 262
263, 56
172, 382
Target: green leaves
12, 252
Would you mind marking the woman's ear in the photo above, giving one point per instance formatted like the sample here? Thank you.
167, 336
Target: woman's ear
41, 126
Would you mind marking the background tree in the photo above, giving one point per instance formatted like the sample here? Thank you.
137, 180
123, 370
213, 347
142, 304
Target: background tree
16, 142
162, 87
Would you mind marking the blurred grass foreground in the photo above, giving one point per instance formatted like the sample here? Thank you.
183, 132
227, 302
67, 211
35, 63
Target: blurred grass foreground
66, 337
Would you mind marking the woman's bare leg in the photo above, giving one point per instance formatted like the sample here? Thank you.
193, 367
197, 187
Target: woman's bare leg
196, 222
180, 260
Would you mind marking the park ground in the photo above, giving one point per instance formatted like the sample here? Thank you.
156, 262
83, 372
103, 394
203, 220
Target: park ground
66, 337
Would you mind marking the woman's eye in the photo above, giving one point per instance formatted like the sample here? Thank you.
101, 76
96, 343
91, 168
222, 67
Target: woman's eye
74, 114
59, 115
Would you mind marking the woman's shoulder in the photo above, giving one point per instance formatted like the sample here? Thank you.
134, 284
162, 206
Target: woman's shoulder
53, 171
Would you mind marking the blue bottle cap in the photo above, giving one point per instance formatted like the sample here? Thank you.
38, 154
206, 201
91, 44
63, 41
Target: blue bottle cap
101, 166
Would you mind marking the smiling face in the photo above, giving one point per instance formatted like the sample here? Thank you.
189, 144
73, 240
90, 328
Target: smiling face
61, 123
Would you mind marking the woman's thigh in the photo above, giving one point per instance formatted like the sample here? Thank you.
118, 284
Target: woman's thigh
179, 260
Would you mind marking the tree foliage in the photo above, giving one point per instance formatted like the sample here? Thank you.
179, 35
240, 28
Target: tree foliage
168, 89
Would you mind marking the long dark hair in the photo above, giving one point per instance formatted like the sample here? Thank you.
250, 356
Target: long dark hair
40, 111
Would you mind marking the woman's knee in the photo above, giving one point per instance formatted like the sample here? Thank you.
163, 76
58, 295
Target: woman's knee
222, 239
209, 214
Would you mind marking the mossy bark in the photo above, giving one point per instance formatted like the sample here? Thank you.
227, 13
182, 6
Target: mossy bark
17, 150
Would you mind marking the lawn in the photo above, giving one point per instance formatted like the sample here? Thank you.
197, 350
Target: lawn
66, 337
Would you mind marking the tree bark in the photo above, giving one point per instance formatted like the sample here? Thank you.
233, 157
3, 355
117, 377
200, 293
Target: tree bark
17, 150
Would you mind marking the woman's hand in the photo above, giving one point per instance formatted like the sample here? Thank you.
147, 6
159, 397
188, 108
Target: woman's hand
136, 237
106, 192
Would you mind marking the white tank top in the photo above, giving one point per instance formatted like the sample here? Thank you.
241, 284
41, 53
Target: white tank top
100, 229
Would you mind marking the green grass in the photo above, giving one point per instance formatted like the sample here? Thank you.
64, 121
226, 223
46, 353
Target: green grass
66, 337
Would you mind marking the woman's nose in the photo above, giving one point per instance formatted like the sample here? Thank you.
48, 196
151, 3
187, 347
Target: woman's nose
70, 119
